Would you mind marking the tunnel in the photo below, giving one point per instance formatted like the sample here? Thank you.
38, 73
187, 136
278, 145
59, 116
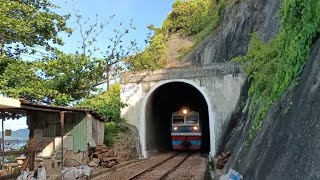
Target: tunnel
160, 105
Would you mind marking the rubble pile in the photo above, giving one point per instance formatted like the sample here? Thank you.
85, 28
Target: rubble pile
222, 159
2, 173
103, 156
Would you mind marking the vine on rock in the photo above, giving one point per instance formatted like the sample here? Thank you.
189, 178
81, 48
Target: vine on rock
276, 65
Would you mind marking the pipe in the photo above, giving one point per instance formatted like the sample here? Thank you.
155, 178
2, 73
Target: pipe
62, 134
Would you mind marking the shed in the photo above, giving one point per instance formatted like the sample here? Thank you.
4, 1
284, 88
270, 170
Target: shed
78, 126
48, 124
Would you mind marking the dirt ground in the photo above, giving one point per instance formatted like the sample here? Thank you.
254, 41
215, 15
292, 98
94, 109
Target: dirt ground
125, 145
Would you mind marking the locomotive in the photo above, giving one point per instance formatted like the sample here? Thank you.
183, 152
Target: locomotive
186, 130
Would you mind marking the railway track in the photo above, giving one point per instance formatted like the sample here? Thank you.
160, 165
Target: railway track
161, 170
171, 165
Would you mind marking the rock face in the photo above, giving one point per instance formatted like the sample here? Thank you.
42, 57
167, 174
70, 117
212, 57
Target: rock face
176, 45
232, 37
287, 147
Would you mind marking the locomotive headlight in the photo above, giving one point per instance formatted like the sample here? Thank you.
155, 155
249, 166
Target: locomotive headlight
175, 128
185, 111
195, 128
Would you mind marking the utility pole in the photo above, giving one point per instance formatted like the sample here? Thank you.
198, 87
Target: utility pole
3, 118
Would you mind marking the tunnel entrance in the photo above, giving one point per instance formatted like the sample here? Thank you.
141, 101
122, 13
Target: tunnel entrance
165, 100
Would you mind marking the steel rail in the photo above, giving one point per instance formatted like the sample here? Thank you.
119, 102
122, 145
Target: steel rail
152, 167
136, 176
175, 167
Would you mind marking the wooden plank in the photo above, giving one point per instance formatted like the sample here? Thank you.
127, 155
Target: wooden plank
109, 159
109, 153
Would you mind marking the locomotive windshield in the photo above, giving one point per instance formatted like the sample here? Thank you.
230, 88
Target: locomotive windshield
177, 120
192, 120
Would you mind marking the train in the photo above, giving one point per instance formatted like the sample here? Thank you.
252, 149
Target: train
186, 130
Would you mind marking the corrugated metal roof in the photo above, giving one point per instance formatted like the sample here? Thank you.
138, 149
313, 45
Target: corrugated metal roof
9, 102
26, 105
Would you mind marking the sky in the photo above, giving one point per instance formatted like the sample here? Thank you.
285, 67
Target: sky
143, 13
15, 124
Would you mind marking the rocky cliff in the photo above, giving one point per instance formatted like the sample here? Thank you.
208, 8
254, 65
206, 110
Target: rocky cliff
287, 145
232, 37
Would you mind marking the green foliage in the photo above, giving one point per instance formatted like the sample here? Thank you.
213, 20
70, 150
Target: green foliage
213, 18
196, 18
62, 78
74, 75
24, 25
153, 56
189, 17
19, 79
274, 66
107, 104
110, 132
57, 81
30, 23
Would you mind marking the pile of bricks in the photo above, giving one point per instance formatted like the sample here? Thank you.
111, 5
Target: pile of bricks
104, 156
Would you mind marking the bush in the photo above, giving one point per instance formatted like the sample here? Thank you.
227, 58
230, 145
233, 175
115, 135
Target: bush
153, 56
111, 130
189, 17
108, 104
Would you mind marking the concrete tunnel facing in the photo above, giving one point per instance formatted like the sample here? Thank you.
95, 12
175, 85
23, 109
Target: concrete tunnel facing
165, 100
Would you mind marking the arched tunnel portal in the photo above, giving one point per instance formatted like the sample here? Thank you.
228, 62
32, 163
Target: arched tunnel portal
161, 102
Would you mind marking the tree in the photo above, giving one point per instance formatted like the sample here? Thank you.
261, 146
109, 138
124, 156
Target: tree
117, 53
89, 32
75, 75
116, 49
25, 25
60, 80
108, 104
29, 23
21, 80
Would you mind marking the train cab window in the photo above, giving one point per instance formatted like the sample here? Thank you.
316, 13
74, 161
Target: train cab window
177, 120
192, 120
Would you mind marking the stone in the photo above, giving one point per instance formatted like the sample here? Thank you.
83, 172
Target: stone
112, 163
69, 162
124, 156
92, 164
96, 160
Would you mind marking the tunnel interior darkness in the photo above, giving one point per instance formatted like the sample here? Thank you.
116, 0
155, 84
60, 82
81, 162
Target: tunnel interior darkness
165, 100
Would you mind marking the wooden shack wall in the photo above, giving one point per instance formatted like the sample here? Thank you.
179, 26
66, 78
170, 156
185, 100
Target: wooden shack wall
48, 126
98, 131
